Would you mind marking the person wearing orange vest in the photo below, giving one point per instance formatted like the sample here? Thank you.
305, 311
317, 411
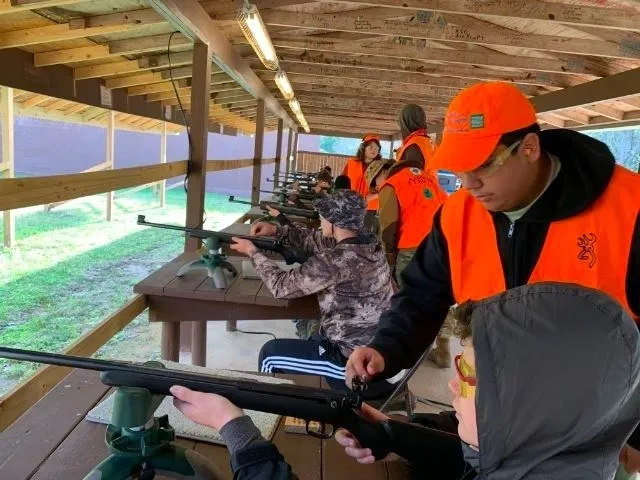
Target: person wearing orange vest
534, 206
368, 151
409, 198
375, 175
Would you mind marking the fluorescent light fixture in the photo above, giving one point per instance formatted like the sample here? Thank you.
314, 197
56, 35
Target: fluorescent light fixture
294, 105
256, 33
303, 122
282, 81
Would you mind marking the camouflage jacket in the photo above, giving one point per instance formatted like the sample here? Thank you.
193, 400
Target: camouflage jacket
351, 278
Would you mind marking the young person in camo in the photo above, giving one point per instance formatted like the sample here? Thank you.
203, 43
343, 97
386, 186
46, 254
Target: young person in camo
348, 273
547, 387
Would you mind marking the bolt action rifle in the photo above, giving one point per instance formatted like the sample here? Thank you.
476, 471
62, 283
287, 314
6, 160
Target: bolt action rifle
282, 193
339, 409
286, 210
215, 262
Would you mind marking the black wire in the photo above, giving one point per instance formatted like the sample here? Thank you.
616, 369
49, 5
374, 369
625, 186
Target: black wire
186, 124
256, 333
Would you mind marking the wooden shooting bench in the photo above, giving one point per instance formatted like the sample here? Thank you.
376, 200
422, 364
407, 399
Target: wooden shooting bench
193, 298
52, 441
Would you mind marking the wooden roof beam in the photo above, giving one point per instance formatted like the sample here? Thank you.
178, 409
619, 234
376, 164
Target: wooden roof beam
373, 84
608, 88
80, 28
132, 46
439, 28
193, 20
293, 69
367, 62
574, 15
13, 6
407, 48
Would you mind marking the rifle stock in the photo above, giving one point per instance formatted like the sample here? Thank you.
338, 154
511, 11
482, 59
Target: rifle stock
290, 254
341, 409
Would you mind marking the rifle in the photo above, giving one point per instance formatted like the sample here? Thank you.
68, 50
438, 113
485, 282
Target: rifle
215, 239
340, 409
283, 193
298, 212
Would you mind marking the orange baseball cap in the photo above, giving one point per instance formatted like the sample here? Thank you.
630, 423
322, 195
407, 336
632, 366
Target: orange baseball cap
474, 122
369, 137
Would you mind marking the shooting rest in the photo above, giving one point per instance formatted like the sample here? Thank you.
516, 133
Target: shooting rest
214, 261
140, 443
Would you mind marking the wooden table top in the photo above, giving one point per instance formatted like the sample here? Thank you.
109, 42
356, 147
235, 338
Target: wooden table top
52, 441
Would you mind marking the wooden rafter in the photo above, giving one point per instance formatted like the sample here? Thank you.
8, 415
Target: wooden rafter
80, 28
441, 28
575, 15
406, 48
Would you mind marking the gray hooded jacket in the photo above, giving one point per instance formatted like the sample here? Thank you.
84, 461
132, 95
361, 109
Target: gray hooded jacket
558, 369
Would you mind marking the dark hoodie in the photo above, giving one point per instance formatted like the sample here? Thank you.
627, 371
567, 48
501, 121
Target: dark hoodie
565, 413
419, 309
562, 415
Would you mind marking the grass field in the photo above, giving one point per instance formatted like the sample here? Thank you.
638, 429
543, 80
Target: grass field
71, 268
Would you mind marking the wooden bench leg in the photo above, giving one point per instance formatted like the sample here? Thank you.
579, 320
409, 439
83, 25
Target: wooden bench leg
199, 344
231, 325
171, 341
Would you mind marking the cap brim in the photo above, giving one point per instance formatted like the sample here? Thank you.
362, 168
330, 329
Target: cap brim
460, 153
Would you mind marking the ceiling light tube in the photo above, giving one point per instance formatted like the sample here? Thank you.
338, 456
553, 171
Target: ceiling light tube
256, 33
282, 81
294, 105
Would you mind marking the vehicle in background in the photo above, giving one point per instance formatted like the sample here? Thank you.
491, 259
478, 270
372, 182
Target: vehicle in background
448, 181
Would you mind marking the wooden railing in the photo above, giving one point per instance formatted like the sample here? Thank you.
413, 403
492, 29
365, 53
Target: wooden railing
27, 192
314, 161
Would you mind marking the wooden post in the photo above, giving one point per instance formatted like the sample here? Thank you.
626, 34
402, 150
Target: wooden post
257, 153
197, 331
8, 151
392, 143
163, 159
288, 160
294, 160
111, 135
276, 171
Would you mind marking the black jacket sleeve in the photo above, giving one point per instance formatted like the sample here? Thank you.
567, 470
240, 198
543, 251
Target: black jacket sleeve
261, 461
633, 297
418, 310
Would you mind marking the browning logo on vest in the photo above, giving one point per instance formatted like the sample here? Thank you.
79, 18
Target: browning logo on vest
587, 248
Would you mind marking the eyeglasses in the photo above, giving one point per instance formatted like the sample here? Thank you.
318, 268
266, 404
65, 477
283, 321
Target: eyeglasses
467, 382
492, 165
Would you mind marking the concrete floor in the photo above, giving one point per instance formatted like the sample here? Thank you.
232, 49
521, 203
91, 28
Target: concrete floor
239, 351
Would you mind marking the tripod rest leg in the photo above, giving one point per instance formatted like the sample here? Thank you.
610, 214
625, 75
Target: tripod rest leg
191, 266
177, 459
114, 467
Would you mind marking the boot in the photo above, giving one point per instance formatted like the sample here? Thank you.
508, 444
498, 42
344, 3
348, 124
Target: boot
440, 355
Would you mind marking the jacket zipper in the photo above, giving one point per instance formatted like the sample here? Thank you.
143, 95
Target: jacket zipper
512, 260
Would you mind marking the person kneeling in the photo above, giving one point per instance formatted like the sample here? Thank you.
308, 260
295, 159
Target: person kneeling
347, 270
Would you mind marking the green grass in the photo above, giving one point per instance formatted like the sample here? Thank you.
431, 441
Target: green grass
71, 268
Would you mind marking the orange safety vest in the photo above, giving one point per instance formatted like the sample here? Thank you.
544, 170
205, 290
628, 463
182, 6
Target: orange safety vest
419, 196
590, 249
354, 169
373, 203
424, 144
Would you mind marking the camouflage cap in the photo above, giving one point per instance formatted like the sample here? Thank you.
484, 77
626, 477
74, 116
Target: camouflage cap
344, 209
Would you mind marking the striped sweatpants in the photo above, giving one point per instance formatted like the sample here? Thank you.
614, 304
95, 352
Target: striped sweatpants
316, 356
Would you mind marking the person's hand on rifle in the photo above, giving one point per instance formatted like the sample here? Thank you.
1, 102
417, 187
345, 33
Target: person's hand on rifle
353, 447
243, 245
263, 229
272, 211
364, 362
205, 408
